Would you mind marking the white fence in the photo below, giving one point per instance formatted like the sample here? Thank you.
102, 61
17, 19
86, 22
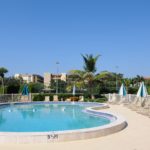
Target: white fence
9, 97
15, 98
128, 98
19, 98
111, 97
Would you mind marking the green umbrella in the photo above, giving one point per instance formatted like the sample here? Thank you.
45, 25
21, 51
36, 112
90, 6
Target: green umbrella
25, 90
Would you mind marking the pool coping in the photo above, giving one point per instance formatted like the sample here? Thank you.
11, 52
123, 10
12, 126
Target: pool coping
118, 123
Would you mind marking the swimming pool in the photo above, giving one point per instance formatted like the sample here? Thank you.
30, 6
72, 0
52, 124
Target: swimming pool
55, 121
39, 117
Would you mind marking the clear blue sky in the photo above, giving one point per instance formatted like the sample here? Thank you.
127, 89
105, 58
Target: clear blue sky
34, 34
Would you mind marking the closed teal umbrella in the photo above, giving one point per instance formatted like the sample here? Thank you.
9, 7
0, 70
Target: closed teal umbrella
122, 90
25, 90
142, 92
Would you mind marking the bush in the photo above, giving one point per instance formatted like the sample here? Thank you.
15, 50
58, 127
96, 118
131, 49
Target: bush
87, 95
1, 90
132, 90
63, 96
13, 89
35, 87
74, 98
104, 90
39, 97
12, 85
103, 99
148, 89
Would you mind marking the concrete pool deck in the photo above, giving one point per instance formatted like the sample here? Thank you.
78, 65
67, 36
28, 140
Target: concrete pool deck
135, 137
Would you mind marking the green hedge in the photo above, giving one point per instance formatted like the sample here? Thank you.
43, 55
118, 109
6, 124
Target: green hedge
41, 97
132, 90
1, 90
99, 100
148, 89
38, 97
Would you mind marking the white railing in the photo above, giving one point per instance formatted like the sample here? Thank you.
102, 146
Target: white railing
111, 97
148, 96
9, 98
128, 98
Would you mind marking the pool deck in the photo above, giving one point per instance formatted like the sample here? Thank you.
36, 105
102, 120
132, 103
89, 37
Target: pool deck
135, 137
117, 123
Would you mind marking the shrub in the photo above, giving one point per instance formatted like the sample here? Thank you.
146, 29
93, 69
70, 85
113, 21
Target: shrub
38, 97
35, 87
13, 89
132, 90
1, 90
63, 96
41, 97
74, 98
103, 99
148, 89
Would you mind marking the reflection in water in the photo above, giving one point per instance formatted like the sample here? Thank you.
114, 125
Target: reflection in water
73, 113
9, 110
29, 114
63, 109
2, 120
34, 111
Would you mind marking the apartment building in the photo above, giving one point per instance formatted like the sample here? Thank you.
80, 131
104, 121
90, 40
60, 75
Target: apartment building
28, 78
48, 77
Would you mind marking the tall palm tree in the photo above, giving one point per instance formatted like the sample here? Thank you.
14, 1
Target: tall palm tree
3, 71
90, 69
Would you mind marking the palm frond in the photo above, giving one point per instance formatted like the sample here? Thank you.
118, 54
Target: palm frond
90, 62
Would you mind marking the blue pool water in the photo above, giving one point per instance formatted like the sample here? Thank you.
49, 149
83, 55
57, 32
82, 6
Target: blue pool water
41, 117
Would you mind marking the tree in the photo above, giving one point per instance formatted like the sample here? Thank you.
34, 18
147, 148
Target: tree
90, 69
36, 87
108, 81
75, 75
136, 80
89, 79
12, 84
90, 62
3, 71
61, 86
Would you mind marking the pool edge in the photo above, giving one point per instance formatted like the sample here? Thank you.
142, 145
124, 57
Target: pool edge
70, 135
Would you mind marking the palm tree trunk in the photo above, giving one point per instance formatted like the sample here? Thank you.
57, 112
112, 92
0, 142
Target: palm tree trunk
3, 85
91, 89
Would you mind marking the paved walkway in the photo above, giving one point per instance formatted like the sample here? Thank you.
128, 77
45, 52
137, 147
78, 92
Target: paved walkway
135, 137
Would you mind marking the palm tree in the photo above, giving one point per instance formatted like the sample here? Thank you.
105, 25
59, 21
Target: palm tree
90, 62
89, 79
3, 71
75, 77
136, 80
90, 69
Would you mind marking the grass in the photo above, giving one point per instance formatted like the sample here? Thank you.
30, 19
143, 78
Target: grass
99, 100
